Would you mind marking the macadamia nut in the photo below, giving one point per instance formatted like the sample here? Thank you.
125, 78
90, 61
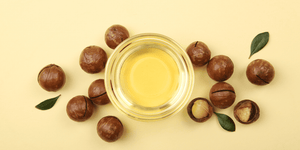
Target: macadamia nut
199, 53
200, 110
246, 111
52, 78
260, 72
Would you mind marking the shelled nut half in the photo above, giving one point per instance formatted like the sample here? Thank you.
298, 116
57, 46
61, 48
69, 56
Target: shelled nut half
246, 111
200, 109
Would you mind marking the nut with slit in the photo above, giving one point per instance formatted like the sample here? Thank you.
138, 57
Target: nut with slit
80, 108
222, 95
260, 72
97, 92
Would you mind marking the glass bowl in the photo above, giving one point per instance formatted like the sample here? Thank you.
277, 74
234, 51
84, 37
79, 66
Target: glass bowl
125, 101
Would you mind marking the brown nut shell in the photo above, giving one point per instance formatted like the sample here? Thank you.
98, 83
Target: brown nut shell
199, 53
222, 95
97, 92
220, 68
80, 108
246, 112
260, 72
52, 78
115, 35
110, 128
93, 59
209, 112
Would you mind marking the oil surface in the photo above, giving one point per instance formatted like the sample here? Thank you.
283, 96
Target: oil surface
149, 77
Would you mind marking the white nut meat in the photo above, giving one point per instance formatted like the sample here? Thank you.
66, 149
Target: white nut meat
200, 109
244, 111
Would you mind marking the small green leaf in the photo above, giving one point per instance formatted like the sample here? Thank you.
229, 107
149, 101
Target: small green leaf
47, 104
259, 42
226, 122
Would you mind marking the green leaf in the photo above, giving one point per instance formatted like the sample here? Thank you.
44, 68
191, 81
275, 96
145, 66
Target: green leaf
259, 42
47, 104
226, 122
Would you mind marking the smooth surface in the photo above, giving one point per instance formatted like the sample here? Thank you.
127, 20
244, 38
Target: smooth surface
149, 77
36, 33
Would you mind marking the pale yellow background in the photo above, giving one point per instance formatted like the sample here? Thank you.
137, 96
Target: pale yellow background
35, 33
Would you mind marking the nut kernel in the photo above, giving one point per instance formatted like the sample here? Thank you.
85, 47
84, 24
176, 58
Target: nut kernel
200, 109
246, 111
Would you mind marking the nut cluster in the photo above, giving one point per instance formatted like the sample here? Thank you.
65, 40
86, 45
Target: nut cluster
80, 108
222, 94
219, 68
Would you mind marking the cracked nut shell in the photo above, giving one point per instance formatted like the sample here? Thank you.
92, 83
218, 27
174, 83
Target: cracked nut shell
110, 128
52, 78
246, 111
220, 68
93, 59
222, 95
115, 35
80, 108
97, 92
198, 53
260, 72
200, 109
